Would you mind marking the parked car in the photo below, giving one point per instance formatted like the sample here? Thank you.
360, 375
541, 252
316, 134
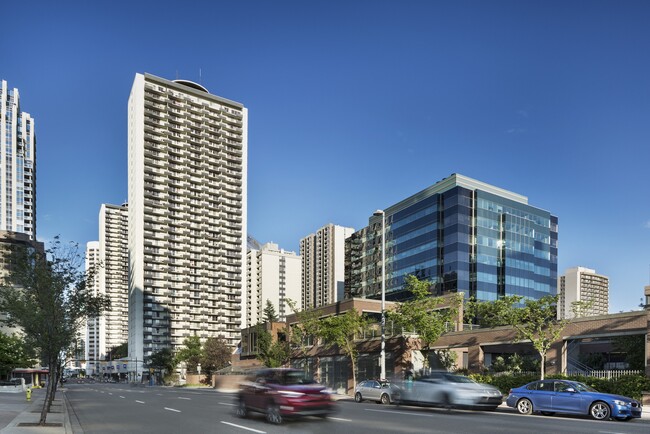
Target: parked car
571, 397
445, 389
282, 393
375, 390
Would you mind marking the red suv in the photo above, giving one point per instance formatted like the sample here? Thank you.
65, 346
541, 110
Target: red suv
281, 393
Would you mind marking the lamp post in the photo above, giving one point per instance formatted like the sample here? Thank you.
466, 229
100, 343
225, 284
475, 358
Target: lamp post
382, 356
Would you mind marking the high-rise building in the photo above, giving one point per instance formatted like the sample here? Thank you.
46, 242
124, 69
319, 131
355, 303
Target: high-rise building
462, 235
114, 273
583, 292
272, 274
17, 165
323, 265
187, 214
95, 339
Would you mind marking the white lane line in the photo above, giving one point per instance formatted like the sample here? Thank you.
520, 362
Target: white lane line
243, 427
121, 397
401, 412
139, 402
227, 403
341, 419
159, 394
172, 409
182, 397
110, 393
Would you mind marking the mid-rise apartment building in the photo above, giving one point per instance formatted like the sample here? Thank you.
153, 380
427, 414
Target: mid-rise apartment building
272, 274
583, 292
17, 165
323, 265
187, 214
462, 235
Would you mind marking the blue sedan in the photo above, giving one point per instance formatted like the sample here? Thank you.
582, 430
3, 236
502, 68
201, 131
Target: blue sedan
571, 397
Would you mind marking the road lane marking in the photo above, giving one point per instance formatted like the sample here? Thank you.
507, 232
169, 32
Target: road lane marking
159, 394
121, 397
227, 403
139, 402
182, 397
172, 409
339, 418
243, 427
401, 412
110, 393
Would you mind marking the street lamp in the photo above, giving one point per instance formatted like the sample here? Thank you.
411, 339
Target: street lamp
382, 357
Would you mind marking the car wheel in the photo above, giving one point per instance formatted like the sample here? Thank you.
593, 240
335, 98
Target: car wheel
548, 413
599, 410
357, 397
385, 399
242, 411
273, 414
524, 406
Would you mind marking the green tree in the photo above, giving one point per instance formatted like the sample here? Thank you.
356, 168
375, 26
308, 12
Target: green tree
216, 355
305, 331
162, 359
341, 331
14, 353
269, 312
191, 353
273, 353
49, 297
425, 315
119, 351
534, 321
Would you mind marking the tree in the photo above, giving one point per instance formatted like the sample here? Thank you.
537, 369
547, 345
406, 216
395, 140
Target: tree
269, 312
425, 315
14, 353
216, 355
191, 354
119, 351
341, 330
534, 321
48, 295
162, 359
305, 331
273, 353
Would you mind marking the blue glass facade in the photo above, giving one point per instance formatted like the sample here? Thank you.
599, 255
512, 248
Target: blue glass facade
463, 236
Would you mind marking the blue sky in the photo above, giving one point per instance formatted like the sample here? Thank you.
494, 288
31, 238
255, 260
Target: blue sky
355, 105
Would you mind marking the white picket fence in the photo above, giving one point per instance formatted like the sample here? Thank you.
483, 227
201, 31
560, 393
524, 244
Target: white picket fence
607, 374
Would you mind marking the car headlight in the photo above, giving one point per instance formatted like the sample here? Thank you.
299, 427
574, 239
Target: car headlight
290, 393
327, 391
619, 402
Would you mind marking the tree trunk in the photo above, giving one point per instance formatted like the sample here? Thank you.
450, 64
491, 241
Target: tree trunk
49, 391
542, 367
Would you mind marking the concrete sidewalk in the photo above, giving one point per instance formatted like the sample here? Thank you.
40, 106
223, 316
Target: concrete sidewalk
24, 412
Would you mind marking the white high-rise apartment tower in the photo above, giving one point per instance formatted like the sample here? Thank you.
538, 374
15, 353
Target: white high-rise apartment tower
17, 165
114, 273
187, 214
580, 284
272, 274
94, 336
323, 265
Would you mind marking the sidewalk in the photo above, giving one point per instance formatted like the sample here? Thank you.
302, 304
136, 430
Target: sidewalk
23, 412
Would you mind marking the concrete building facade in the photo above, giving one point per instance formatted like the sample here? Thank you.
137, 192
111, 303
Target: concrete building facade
581, 284
323, 266
187, 214
17, 165
272, 274
95, 338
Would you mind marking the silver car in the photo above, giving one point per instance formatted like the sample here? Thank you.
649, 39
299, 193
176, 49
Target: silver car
450, 390
374, 390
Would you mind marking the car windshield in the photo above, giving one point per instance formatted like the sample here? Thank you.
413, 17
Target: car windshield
581, 387
297, 377
459, 379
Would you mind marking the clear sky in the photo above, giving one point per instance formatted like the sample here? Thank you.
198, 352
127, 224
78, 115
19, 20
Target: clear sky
356, 105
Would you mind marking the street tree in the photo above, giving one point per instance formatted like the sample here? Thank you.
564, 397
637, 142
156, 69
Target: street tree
305, 331
119, 351
191, 353
535, 320
269, 312
273, 353
14, 353
162, 359
216, 355
49, 296
341, 331
426, 316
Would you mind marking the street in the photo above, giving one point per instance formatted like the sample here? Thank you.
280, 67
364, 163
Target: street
119, 408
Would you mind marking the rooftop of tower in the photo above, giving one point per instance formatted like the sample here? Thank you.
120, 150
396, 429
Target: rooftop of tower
193, 85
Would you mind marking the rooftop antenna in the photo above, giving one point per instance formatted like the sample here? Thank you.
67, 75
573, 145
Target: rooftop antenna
177, 74
200, 77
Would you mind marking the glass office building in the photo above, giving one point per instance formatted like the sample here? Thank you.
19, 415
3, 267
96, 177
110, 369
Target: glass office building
462, 235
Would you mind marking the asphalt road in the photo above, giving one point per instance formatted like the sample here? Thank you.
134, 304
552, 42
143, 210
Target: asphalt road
117, 408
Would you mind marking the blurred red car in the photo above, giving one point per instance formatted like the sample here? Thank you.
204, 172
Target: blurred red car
282, 393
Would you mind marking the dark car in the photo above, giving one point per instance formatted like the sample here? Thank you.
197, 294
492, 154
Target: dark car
571, 397
283, 393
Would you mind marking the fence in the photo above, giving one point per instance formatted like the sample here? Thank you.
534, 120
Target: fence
607, 374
